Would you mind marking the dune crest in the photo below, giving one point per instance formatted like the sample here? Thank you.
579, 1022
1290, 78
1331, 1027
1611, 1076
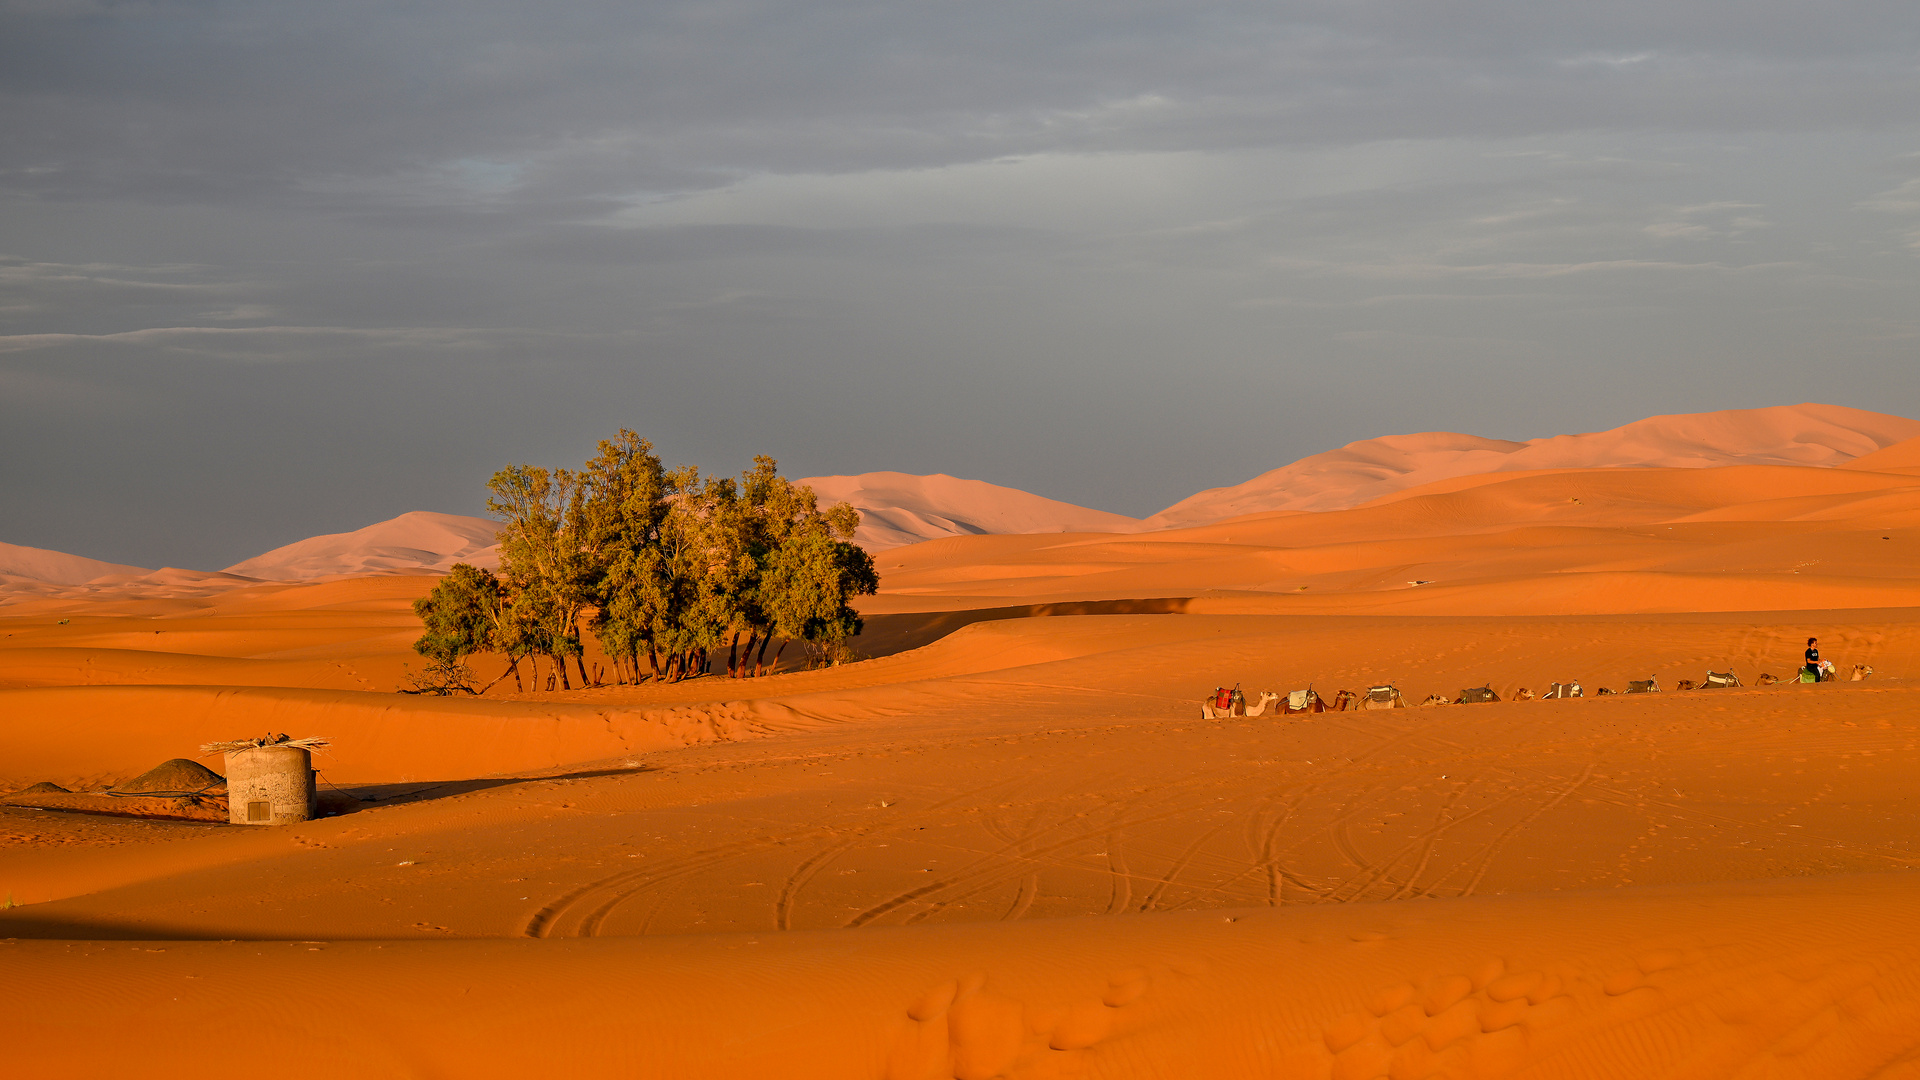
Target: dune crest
1360, 472
417, 542
897, 509
1900, 457
19, 563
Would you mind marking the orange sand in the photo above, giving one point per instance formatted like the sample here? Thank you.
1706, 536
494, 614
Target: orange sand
1015, 849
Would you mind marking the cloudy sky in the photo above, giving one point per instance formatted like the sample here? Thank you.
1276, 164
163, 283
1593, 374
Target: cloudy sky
275, 269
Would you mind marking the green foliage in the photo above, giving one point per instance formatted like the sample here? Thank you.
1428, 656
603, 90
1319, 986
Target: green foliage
665, 565
462, 615
810, 577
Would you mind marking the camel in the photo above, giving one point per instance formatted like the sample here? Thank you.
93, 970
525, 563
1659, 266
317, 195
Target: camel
1685, 684
1523, 694
1603, 692
1826, 672
1302, 701
1765, 680
1386, 696
1860, 672
1210, 711
1435, 699
1345, 701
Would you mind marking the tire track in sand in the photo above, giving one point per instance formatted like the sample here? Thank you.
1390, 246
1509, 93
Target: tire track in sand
559, 918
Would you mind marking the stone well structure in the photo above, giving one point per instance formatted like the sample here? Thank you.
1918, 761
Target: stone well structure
270, 785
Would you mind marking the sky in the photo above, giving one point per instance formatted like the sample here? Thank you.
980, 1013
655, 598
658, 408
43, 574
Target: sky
270, 270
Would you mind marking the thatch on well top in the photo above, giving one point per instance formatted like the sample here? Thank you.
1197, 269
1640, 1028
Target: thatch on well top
312, 742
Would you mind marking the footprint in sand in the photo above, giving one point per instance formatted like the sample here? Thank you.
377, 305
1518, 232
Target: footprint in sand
960, 1030
1806, 1016
1474, 1024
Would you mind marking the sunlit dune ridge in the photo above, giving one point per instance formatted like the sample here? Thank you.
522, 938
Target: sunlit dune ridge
899, 509
1809, 434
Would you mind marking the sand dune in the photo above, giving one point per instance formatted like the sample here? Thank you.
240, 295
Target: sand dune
1900, 457
1007, 845
57, 568
416, 542
899, 508
1734, 538
1817, 435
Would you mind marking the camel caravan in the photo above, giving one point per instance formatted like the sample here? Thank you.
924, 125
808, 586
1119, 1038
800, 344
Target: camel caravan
1224, 703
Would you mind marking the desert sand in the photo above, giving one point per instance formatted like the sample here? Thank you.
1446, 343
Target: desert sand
1007, 845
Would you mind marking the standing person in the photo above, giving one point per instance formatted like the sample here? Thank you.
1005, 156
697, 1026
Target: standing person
1813, 658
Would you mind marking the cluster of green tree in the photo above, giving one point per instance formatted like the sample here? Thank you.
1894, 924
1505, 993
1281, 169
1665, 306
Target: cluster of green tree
662, 567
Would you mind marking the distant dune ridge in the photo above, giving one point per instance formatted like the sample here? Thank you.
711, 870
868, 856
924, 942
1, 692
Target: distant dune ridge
28, 572
1818, 435
1901, 457
899, 509
413, 543
55, 567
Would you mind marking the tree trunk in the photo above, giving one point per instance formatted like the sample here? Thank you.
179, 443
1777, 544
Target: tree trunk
580, 661
733, 655
775, 666
746, 654
560, 662
533, 661
761, 659
518, 686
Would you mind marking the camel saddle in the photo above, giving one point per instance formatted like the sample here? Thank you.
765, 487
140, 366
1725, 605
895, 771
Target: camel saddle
1643, 686
1478, 694
1717, 679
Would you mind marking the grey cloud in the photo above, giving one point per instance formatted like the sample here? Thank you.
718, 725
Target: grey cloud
463, 104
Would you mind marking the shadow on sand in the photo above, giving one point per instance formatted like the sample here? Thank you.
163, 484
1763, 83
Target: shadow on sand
336, 800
